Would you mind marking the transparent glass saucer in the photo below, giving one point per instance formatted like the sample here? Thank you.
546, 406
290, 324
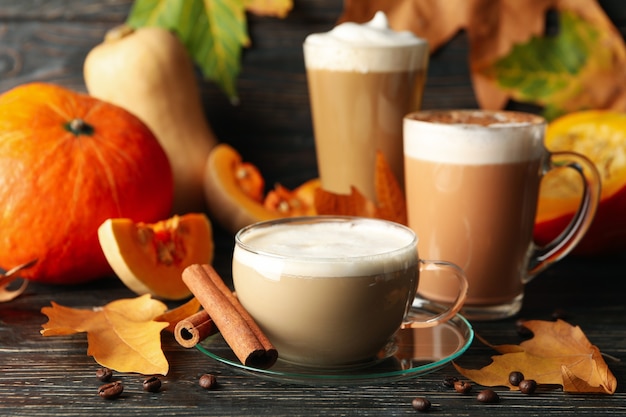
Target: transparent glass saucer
411, 353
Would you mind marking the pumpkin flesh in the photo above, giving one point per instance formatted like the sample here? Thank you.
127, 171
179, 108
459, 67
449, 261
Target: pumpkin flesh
601, 136
150, 258
230, 203
234, 190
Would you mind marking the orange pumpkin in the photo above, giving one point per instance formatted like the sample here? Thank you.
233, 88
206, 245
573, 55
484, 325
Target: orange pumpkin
68, 162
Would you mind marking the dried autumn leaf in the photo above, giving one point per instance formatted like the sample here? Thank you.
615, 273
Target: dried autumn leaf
353, 204
179, 313
580, 67
437, 21
510, 56
123, 335
558, 354
275, 8
9, 292
391, 203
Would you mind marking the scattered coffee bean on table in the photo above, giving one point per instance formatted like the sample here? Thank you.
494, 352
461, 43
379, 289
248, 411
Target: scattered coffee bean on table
421, 404
152, 384
488, 396
462, 386
528, 386
104, 374
111, 391
208, 381
515, 378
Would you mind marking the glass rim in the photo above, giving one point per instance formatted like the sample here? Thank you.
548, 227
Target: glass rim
239, 241
525, 119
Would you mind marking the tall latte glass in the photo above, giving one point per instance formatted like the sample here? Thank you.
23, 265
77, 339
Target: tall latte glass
472, 189
332, 291
363, 79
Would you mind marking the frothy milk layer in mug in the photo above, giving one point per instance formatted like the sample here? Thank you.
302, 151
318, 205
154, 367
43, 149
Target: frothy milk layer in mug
474, 137
357, 47
347, 248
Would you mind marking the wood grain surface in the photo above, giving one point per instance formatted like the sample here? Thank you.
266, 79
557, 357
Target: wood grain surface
48, 41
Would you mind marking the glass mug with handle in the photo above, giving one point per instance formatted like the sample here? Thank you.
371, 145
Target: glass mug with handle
472, 185
331, 291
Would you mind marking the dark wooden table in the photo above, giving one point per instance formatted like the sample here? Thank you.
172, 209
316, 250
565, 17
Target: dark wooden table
54, 376
47, 41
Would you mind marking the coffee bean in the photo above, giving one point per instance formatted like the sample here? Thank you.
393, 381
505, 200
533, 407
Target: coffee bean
449, 381
421, 404
152, 384
488, 396
463, 387
104, 374
208, 381
515, 378
111, 391
528, 386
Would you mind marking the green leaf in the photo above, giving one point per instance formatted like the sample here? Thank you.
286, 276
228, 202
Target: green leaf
549, 70
213, 32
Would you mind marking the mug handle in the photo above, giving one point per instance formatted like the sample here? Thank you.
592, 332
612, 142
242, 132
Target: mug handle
564, 243
426, 265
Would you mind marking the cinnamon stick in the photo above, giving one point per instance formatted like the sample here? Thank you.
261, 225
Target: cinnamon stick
238, 328
194, 329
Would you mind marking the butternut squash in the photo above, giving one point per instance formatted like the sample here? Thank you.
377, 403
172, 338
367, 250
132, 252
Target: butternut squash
149, 72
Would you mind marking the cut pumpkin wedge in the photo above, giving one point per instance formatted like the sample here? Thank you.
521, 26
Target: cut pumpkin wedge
150, 258
229, 198
600, 135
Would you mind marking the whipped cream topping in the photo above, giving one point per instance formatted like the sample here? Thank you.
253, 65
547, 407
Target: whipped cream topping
376, 32
365, 47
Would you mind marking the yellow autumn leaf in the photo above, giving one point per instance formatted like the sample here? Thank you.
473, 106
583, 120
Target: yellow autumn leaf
123, 335
558, 354
172, 317
272, 8
8, 289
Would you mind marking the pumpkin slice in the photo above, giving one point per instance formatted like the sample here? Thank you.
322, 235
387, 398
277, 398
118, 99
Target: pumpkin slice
150, 258
297, 202
600, 135
231, 190
234, 191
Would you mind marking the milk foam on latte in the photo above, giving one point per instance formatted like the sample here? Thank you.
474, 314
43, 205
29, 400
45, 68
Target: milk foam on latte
347, 248
353, 47
474, 137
